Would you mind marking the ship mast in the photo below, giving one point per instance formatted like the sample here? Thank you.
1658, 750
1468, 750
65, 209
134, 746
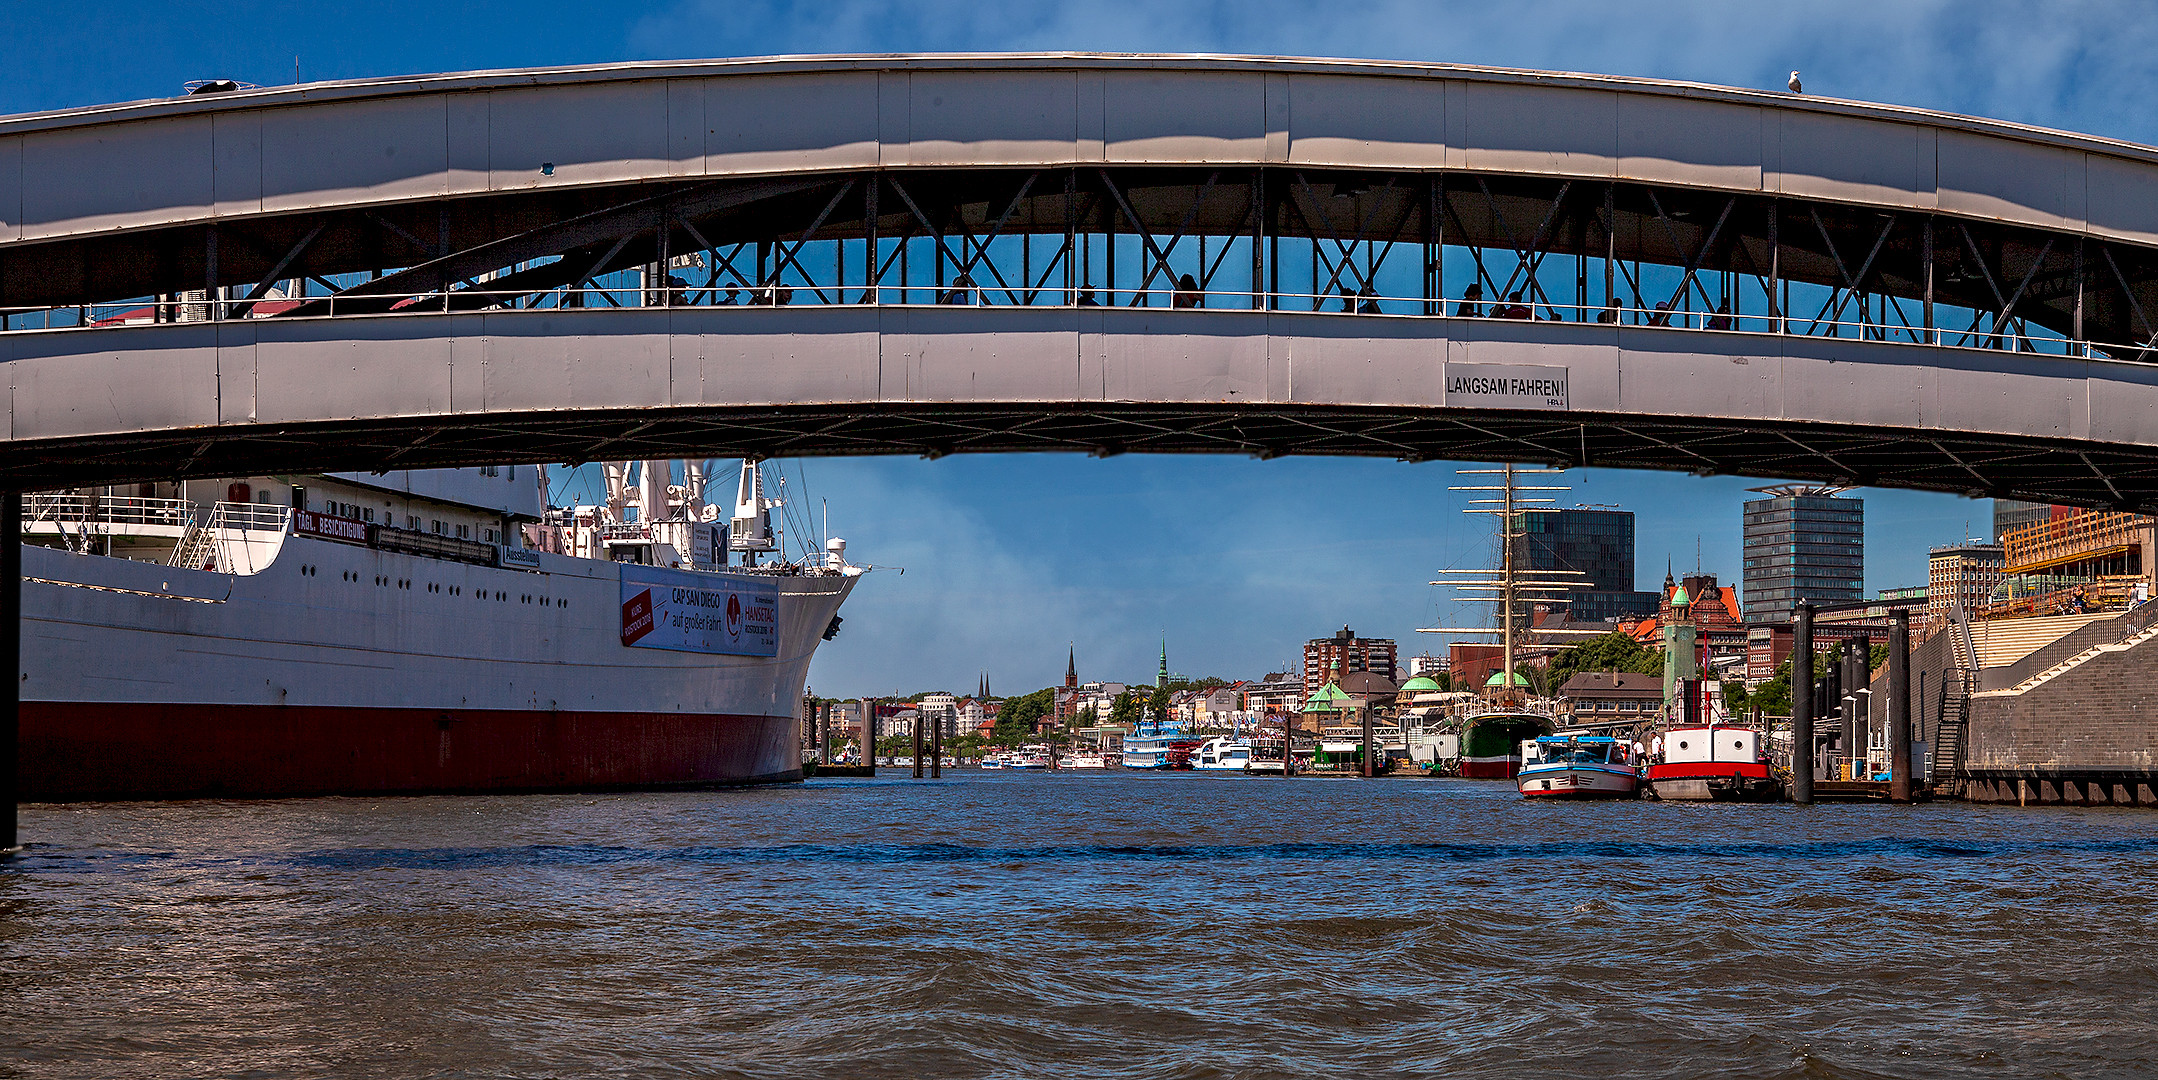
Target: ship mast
1512, 509
1506, 591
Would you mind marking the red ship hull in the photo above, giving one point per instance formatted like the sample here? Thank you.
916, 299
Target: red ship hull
1721, 781
81, 752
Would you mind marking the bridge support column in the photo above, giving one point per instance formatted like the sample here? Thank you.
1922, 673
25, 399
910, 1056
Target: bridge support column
10, 662
1899, 706
1802, 704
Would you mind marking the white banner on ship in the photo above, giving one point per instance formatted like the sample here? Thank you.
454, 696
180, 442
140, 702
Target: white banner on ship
703, 613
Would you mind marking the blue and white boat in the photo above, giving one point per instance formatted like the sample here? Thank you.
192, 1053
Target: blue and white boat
1572, 766
1222, 754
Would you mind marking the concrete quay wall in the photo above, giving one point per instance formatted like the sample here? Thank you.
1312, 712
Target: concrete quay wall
2087, 736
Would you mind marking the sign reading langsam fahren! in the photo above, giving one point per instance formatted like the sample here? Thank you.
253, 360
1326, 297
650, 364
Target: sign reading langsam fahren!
703, 613
1505, 386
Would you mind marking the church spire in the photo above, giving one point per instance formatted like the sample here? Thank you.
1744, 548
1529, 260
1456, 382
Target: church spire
1161, 674
1071, 669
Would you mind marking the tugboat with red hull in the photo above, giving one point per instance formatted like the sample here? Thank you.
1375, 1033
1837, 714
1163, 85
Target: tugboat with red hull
1714, 762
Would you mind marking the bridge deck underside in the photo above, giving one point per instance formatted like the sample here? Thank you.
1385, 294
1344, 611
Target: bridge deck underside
1925, 460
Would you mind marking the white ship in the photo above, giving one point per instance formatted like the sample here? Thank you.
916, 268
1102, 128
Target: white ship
437, 630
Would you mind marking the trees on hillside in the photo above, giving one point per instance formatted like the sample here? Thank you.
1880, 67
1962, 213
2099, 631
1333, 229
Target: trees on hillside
1612, 652
1125, 710
1017, 717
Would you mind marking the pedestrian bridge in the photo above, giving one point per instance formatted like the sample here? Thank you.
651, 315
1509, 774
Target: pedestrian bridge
1104, 254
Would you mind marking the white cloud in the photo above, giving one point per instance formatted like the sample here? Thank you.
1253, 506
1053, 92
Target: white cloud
2079, 64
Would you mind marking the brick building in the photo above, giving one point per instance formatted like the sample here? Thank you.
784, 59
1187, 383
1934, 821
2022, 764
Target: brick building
1963, 574
1332, 657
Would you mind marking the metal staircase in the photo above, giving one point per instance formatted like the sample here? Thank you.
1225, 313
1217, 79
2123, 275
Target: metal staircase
197, 547
1954, 720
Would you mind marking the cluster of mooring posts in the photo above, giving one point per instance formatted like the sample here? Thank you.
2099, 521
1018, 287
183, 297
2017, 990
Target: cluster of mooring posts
1845, 689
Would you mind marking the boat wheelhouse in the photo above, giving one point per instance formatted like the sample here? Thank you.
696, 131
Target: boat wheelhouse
1578, 766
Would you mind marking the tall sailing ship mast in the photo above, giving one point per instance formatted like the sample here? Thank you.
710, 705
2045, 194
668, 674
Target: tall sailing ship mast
1506, 588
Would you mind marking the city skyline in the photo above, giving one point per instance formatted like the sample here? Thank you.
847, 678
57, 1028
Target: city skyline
1246, 583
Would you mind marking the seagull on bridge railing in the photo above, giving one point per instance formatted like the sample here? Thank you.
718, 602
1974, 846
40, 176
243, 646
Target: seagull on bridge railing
1793, 84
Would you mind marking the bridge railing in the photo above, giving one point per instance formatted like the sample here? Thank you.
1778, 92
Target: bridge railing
150, 311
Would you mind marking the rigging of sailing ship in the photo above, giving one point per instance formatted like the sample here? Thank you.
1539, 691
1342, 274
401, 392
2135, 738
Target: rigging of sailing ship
1490, 746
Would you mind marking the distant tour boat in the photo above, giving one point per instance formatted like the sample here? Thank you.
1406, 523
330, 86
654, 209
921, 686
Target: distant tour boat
1222, 754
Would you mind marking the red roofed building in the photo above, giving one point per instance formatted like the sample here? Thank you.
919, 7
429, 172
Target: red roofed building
1715, 612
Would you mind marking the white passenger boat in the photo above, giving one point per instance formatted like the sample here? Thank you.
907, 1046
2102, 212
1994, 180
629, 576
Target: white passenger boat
1222, 754
1082, 760
1574, 766
1266, 757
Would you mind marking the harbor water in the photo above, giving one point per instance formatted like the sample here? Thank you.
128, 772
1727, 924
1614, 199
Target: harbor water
1093, 925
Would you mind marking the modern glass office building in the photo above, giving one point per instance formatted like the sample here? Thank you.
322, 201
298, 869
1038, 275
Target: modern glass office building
1802, 543
1599, 544
2012, 514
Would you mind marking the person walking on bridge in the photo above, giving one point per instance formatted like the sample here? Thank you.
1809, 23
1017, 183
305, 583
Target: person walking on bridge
1187, 294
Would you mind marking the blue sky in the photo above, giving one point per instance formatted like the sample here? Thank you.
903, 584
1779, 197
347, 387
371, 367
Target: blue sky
1238, 561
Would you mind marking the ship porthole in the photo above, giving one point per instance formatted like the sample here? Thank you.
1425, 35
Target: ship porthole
1682, 744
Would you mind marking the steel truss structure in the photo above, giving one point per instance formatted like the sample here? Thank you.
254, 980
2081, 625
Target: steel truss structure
1417, 245
1035, 236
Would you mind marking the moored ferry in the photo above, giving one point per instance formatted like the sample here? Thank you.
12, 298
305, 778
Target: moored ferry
1222, 754
1714, 762
427, 631
1165, 747
1577, 766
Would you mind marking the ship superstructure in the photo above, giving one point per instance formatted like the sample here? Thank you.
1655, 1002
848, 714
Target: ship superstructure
438, 630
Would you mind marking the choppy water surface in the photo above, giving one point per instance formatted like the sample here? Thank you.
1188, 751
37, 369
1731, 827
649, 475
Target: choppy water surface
1077, 926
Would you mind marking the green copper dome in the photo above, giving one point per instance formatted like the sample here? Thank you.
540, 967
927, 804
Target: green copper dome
1328, 699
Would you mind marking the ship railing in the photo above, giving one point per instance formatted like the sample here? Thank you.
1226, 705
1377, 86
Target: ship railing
107, 510
250, 517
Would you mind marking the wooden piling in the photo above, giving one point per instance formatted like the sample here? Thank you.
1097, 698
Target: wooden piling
1802, 704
